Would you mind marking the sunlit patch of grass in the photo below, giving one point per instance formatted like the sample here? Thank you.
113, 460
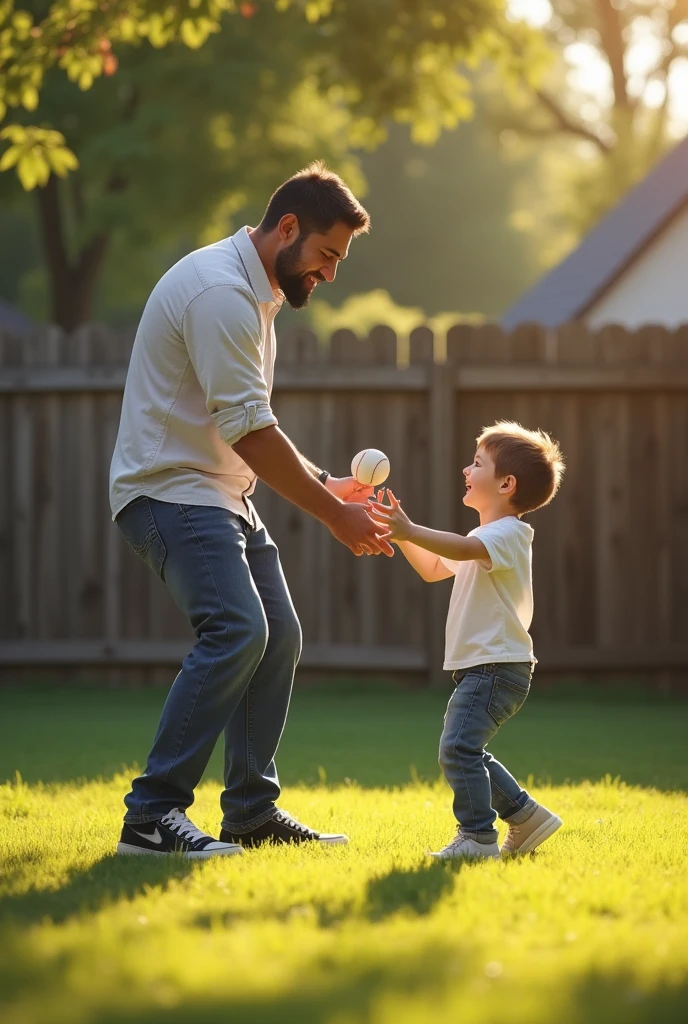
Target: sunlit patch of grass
593, 927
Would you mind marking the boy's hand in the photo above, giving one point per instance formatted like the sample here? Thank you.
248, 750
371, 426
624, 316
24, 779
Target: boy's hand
392, 516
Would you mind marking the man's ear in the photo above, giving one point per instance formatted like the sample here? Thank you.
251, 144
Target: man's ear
288, 228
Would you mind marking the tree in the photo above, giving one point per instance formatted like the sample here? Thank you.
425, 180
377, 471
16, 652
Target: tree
170, 141
613, 89
444, 241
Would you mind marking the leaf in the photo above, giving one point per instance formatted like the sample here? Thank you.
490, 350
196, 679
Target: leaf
27, 171
10, 157
192, 34
16, 133
61, 160
30, 97
127, 30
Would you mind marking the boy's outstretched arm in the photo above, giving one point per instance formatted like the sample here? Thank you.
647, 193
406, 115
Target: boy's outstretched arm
444, 545
426, 563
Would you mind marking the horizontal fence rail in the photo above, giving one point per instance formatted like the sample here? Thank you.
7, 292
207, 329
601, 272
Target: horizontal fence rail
611, 552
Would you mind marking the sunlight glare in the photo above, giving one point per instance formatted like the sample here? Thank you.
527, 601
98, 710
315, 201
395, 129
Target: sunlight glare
535, 12
589, 73
678, 86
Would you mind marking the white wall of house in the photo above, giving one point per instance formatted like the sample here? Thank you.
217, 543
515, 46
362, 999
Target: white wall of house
654, 289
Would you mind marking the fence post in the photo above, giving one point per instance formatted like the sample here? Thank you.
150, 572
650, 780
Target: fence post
442, 497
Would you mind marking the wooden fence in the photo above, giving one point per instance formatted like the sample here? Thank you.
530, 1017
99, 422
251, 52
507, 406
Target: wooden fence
611, 552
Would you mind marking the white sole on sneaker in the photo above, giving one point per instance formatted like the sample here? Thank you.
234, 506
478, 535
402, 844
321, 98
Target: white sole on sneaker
547, 829
127, 850
333, 840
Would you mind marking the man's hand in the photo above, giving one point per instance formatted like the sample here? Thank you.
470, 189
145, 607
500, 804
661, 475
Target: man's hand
354, 527
392, 517
348, 489
273, 458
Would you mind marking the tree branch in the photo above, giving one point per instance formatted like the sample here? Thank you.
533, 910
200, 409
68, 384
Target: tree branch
54, 245
567, 123
611, 33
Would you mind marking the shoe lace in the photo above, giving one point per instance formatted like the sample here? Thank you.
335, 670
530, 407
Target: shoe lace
178, 822
286, 819
513, 831
456, 842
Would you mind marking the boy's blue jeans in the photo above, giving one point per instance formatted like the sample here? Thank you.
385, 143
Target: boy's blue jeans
226, 576
485, 697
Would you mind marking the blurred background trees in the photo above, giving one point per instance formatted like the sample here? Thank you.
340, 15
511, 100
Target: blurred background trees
483, 137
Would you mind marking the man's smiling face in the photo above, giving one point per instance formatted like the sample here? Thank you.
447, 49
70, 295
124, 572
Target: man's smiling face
303, 262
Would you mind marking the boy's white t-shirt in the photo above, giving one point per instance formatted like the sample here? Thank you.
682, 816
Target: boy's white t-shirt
491, 609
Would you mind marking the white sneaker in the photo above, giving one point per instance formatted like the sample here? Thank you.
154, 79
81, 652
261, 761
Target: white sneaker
463, 847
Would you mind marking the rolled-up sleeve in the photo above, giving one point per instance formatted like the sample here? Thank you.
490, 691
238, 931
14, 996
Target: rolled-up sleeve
222, 332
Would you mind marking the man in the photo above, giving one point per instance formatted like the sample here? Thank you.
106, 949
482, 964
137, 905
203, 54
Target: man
196, 431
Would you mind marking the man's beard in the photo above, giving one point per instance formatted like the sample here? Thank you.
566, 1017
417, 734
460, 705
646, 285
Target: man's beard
291, 276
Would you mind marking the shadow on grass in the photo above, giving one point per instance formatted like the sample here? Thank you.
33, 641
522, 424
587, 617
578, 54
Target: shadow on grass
108, 881
415, 890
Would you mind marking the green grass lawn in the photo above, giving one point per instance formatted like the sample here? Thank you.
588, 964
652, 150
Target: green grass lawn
593, 928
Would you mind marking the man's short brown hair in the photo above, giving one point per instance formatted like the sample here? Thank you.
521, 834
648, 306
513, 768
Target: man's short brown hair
319, 199
531, 456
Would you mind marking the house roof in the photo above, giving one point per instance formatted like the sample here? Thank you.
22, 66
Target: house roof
13, 319
569, 290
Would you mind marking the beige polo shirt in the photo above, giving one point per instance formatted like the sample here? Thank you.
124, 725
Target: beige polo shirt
200, 378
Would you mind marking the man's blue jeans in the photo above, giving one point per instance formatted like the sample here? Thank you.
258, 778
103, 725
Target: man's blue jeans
484, 699
226, 576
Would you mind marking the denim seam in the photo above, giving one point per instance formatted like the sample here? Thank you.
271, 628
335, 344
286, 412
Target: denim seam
456, 740
154, 534
250, 754
214, 661
505, 795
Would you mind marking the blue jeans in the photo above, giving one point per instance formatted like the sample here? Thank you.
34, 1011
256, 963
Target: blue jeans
485, 697
225, 574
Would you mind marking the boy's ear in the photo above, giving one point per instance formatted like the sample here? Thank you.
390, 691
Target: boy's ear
508, 486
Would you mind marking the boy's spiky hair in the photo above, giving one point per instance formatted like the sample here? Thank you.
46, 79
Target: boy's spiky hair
532, 456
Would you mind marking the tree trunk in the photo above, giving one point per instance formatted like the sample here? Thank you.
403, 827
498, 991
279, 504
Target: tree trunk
73, 284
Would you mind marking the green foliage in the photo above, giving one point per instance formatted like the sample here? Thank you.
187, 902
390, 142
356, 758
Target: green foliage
173, 145
361, 312
374, 59
36, 153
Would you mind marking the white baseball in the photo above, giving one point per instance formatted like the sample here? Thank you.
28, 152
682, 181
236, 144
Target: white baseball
370, 467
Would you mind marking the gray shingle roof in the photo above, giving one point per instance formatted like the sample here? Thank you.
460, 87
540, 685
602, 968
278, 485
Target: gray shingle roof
566, 292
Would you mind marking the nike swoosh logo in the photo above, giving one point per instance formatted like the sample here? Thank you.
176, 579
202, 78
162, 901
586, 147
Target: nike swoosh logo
155, 838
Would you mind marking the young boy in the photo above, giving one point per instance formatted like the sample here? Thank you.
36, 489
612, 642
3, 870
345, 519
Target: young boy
488, 647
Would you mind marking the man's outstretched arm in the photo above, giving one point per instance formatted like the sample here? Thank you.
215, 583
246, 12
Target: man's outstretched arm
275, 460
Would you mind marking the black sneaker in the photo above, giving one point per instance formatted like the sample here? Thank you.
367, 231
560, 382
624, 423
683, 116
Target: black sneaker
282, 828
173, 833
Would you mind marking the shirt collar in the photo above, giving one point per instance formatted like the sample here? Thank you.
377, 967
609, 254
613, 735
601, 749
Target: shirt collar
254, 268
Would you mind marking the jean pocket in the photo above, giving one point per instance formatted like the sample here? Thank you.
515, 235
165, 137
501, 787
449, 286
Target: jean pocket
142, 535
507, 697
